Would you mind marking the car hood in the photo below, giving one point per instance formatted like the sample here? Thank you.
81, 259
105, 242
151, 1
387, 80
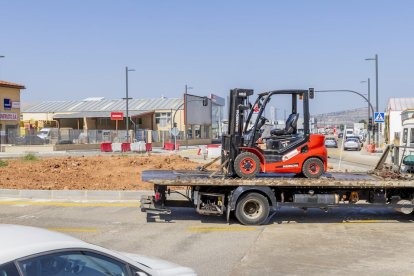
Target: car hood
161, 267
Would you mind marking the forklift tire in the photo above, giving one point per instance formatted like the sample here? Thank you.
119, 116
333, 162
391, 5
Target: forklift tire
252, 209
247, 165
313, 168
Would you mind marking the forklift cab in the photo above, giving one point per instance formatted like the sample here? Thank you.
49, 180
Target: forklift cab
276, 139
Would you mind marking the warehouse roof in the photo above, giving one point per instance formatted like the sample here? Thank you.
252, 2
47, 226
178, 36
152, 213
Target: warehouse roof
104, 105
11, 85
400, 104
97, 114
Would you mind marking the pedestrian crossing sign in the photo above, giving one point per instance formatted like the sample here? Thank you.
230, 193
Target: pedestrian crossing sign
379, 117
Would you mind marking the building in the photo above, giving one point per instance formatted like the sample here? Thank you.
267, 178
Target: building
9, 110
148, 117
393, 118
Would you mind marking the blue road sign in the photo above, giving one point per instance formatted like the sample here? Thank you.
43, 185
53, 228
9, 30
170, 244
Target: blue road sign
379, 117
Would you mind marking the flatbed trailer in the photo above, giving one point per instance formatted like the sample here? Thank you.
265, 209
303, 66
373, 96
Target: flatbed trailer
252, 200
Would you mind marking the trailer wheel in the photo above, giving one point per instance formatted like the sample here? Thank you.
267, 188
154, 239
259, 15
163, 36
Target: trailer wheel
247, 165
312, 168
252, 209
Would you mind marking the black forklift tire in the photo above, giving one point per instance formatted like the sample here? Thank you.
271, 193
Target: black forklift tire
313, 168
247, 165
252, 209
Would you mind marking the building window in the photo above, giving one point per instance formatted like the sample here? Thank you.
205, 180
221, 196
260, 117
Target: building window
405, 134
140, 121
207, 131
197, 131
163, 118
412, 136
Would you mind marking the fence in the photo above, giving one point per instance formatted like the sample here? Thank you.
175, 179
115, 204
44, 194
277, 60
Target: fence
77, 136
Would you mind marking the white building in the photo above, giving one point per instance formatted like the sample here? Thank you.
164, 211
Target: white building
393, 123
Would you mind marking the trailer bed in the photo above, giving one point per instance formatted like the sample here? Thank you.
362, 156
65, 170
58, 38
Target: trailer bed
332, 179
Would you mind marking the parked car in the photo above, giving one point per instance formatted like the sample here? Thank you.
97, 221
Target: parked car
352, 143
340, 135
330, 142
38, 252
30, 140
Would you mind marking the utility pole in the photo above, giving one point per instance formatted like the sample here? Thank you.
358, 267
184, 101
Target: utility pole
376, 91
126, 102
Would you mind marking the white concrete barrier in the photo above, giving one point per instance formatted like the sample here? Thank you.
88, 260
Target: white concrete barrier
117, 147
138, 146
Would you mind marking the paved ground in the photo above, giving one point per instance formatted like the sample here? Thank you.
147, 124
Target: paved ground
294, 243
342, 241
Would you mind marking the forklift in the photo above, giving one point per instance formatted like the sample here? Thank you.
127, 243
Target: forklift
248, 152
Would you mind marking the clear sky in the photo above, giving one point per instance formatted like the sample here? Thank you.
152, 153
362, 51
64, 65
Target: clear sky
75, 49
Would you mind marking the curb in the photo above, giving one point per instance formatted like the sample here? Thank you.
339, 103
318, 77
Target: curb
74, 194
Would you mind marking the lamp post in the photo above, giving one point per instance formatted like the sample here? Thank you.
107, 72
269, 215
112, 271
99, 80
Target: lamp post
0, 72
369, 110
127, 98
185, 115
376, 90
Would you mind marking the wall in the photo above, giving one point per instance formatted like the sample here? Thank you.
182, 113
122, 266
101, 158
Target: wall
395, 125
14, 95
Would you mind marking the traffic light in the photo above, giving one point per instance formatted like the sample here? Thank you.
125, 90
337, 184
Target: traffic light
370, 124
205, 101
311, 93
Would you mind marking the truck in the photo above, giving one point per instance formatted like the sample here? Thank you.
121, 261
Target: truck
283, 177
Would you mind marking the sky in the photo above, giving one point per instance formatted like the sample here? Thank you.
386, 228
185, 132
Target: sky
71, 50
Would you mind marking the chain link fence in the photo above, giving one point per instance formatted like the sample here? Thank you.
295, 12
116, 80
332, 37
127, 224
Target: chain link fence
54, 136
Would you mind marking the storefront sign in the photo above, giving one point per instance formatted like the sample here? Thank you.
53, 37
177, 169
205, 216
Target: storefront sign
16, 105
117, 116
8, 116
7, 104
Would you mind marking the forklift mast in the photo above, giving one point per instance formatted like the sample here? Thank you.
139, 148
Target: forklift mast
233, 138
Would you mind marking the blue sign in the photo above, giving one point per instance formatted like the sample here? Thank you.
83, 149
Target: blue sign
7, 104
379, 117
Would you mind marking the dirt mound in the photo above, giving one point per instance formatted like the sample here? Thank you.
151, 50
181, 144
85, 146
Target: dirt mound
118, 172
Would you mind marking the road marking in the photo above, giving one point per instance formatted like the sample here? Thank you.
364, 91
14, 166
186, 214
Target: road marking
370, 221
88, 230
219, 229
69, 204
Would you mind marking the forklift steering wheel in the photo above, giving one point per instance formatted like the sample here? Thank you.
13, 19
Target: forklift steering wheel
261, 123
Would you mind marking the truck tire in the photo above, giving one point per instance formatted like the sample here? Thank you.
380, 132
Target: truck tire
247, 165
252, 209
313, 168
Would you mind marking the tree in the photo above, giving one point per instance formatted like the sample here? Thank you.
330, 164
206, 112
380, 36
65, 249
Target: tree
363, 122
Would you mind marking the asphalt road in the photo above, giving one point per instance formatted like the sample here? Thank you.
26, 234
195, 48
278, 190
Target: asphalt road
342, 241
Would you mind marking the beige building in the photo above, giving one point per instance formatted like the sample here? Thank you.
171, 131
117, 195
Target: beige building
9, 110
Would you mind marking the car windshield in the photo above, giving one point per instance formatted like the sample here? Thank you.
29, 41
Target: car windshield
43, 132
352, 140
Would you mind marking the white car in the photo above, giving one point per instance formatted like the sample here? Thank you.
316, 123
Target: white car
30, 251
352, 143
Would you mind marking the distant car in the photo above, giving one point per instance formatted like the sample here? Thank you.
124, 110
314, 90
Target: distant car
330, 142
340, 135
30, 140
37, 252
356, 137
352, 143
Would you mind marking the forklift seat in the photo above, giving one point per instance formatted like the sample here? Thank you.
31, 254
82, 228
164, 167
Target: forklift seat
290, 127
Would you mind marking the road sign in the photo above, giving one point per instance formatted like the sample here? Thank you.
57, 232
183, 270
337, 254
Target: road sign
117, 116
379, 117
174, 131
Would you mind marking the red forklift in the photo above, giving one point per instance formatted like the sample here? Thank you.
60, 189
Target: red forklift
248, 151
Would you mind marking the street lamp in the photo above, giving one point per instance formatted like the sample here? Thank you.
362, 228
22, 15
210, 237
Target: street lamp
185, 114
376, 89
127, 98
369, 110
